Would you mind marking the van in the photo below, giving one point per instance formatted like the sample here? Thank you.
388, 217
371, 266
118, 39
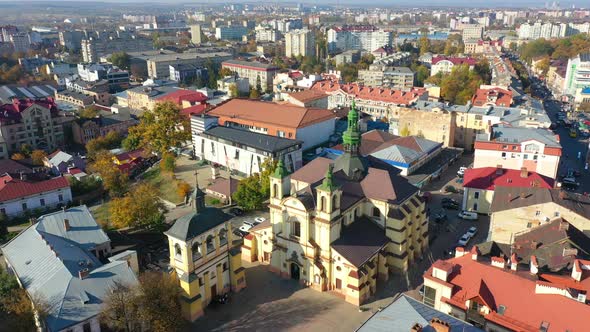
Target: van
467, 215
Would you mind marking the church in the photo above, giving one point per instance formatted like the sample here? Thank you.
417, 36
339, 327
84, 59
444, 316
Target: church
341, 225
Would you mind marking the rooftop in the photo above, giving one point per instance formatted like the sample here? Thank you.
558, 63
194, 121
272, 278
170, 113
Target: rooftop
369, 93
503, 134
488, 178
282, 115
454, 60
251, 65
246, 138
20, 92
508, 198
360, 241
13, 188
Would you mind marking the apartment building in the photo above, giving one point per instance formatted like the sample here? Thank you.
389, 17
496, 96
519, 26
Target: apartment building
75, 98
444, 64
33, 122
21, 42
492, 96
118, 120
537, 150
196, 34
187, 72
256, 72
485, 47
203, 256
378, 75
158, 65
299, 43
577, 74
517, 210
471, 31
98, 90
312, 126
504, 295
266, 34
96, 46
344, 224
358, 37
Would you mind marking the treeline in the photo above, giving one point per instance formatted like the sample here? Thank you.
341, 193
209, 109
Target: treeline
563, 48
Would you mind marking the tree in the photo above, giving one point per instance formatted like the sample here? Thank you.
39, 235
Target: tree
38, 157
159, 303
141, 207
88, 113
120, 59
120, 311
26, 150
255, 189
543, 65
405, 131
114, 181
168, 162
223, 72
110, 141
483, 69
536, 48
424, 43
258, 84
233, 90
254, 93
158, 130
16, 308
17, 156
183, 189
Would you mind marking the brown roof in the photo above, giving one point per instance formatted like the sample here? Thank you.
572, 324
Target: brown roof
223, 186
284, 115
313, 172
360, 241
507, 198
307, 95
262, 225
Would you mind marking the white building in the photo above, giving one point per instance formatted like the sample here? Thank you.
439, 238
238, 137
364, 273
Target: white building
266, 34
299, 42
245, 151
577, 75
365, 38
20, 195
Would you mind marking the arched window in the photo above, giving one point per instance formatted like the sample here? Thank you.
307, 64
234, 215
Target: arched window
323, 206
334, 202
196, 249
177, 250
222, 237
296, 228
275, 190
210, 244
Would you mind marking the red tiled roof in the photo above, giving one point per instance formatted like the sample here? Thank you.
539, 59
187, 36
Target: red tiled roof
307, 95
12, 111
483, 96
487, 178
223, 186
194, 110
523, 307
181, 95
130, 155
370, 93
12, 188
454, 60
253, 112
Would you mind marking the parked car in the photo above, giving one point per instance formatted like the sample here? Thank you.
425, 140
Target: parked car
472, 231
451, 205
439, 216
260, 219
461, 171
236, 211
246, 227
449, 200
464, 240
239, 233
570, 184
467, 215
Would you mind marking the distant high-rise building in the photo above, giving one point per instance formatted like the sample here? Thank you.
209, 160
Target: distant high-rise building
95, 47
360, 37
231, 32
6, 31
299, 42
20, 41
196, 34
71, 39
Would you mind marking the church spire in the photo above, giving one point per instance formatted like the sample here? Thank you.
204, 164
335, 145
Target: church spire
352, 137
328, 183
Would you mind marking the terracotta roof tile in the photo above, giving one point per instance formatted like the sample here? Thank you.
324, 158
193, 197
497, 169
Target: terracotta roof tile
11, 188
370, 93
487, 178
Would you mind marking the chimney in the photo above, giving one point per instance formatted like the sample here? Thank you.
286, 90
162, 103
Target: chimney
416, 328
534, 265
66, 224
440, 325
474, 253
459, 252
499, 170
499, 262
513, 262
82, 274
524, 173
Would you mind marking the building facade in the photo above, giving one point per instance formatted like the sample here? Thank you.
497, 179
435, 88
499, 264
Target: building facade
18, 196
257, 73
299, 43
364, 38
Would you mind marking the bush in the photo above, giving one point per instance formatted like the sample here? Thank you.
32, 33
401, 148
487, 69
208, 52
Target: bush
450, 189
215, 201
183, 189
168, 163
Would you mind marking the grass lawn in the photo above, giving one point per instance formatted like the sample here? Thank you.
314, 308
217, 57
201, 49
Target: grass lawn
167, 186
101, 214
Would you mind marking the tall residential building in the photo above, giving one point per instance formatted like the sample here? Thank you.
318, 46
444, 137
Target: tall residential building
577, 74
266, 34
387, 76
71, 40
365, 38
20, 41
299, 43
6, 31
341, 225
472, 31
196, 33
255, 72
95, 47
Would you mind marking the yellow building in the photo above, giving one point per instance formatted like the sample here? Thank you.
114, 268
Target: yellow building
341, 225
203, 257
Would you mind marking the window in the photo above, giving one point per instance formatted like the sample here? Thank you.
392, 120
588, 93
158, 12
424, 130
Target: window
476, 195
275, 190
87, 328
474, 206
3, 211
376, 212
42, 202
237, 155
210, 244
212, 148
504, 147
200, 282
529, 225
429, 296
24, 206
538, 213
323, 206
196, 249
296, 228
556, 214
60, 197
335, 202
503, 155
526, 156
535, 157
225, 266
280, 133
177, 250
222, 237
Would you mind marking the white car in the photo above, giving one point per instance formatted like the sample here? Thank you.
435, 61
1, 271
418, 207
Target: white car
464, 240
471, 231
260, 219
245, 228
250, 223
461, 171
467, 215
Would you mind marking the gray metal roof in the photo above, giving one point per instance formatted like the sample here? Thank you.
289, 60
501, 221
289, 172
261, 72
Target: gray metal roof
258, 141
48, 264
33, 92
191, 225
83, 228
60, 157
518, 135
404, 312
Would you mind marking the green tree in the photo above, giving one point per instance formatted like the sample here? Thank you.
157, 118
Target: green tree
140, 207
88, 113
233, 90
110, 141
254, 93
120, 59
168, 162
258, 84
249, 193
159, 303
159, 130
536, 48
